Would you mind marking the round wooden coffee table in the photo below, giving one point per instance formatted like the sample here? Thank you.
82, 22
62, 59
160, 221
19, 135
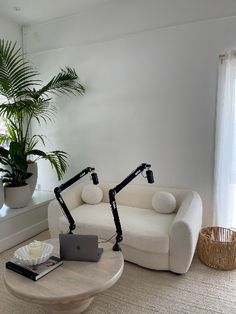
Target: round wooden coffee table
71, 287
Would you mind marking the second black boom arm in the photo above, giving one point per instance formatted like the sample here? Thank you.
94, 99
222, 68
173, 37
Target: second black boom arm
117, 189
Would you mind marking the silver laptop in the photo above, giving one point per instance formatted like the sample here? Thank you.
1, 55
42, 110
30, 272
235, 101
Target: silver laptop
78, 247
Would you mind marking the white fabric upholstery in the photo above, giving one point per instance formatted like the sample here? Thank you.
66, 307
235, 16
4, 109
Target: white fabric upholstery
164, 202
158, 261
134, 223
184, 233
150, 239
91, 194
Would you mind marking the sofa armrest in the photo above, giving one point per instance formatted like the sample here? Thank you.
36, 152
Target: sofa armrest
72, 199
184, 233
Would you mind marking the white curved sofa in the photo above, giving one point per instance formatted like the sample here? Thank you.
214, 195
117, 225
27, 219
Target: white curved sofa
150, 239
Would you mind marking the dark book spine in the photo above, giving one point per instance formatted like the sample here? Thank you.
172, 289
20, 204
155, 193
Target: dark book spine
21, 270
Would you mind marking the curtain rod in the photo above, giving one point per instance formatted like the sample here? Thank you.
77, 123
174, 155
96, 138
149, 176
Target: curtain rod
222, 57
225, 55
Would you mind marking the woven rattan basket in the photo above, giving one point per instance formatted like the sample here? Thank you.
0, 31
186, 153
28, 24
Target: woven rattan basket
217, 247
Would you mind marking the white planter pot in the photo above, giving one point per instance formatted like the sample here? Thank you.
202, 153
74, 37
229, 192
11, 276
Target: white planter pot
16, 197
32, 168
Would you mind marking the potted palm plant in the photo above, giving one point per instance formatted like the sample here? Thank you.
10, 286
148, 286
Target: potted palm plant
27, 100
17, 191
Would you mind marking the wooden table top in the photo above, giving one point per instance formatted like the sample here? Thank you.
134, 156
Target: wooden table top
73, 281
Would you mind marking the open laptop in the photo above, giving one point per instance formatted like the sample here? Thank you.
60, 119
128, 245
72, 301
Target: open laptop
78, 247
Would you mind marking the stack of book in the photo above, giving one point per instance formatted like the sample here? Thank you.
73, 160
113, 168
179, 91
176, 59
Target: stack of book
35, 272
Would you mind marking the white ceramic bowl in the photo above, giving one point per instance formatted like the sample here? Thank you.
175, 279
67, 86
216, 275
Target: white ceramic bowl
23, 257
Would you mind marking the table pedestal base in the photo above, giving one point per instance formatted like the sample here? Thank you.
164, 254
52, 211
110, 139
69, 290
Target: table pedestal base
69, 308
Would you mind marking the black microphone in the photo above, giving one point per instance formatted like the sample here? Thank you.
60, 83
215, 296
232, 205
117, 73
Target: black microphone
94, 178
150, 177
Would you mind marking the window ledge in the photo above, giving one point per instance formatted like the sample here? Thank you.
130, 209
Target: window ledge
18, 225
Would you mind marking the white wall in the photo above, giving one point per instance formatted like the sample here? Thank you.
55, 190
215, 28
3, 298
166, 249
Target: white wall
10, 30
150, 98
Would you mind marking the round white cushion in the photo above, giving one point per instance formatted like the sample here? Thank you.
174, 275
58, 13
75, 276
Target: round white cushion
91, 194
164, 202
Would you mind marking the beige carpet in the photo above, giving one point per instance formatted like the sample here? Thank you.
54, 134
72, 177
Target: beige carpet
201, 290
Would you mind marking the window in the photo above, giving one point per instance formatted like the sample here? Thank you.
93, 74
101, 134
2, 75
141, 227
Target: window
3, 128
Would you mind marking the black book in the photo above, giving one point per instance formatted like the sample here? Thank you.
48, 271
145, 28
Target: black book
35, 272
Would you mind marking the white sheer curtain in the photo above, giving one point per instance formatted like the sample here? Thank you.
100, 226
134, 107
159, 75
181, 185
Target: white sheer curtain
225, 151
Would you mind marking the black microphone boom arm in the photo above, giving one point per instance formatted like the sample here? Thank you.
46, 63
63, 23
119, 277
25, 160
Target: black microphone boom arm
117, 189
62, 187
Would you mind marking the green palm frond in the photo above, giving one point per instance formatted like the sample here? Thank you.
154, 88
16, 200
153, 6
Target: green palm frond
33, 141
43, 110
12, 131
4, 139
57, 159
16, 74
17, 108
65, 82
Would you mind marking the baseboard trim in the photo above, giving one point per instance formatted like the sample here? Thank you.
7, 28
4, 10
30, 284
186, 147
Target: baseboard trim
22, 235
